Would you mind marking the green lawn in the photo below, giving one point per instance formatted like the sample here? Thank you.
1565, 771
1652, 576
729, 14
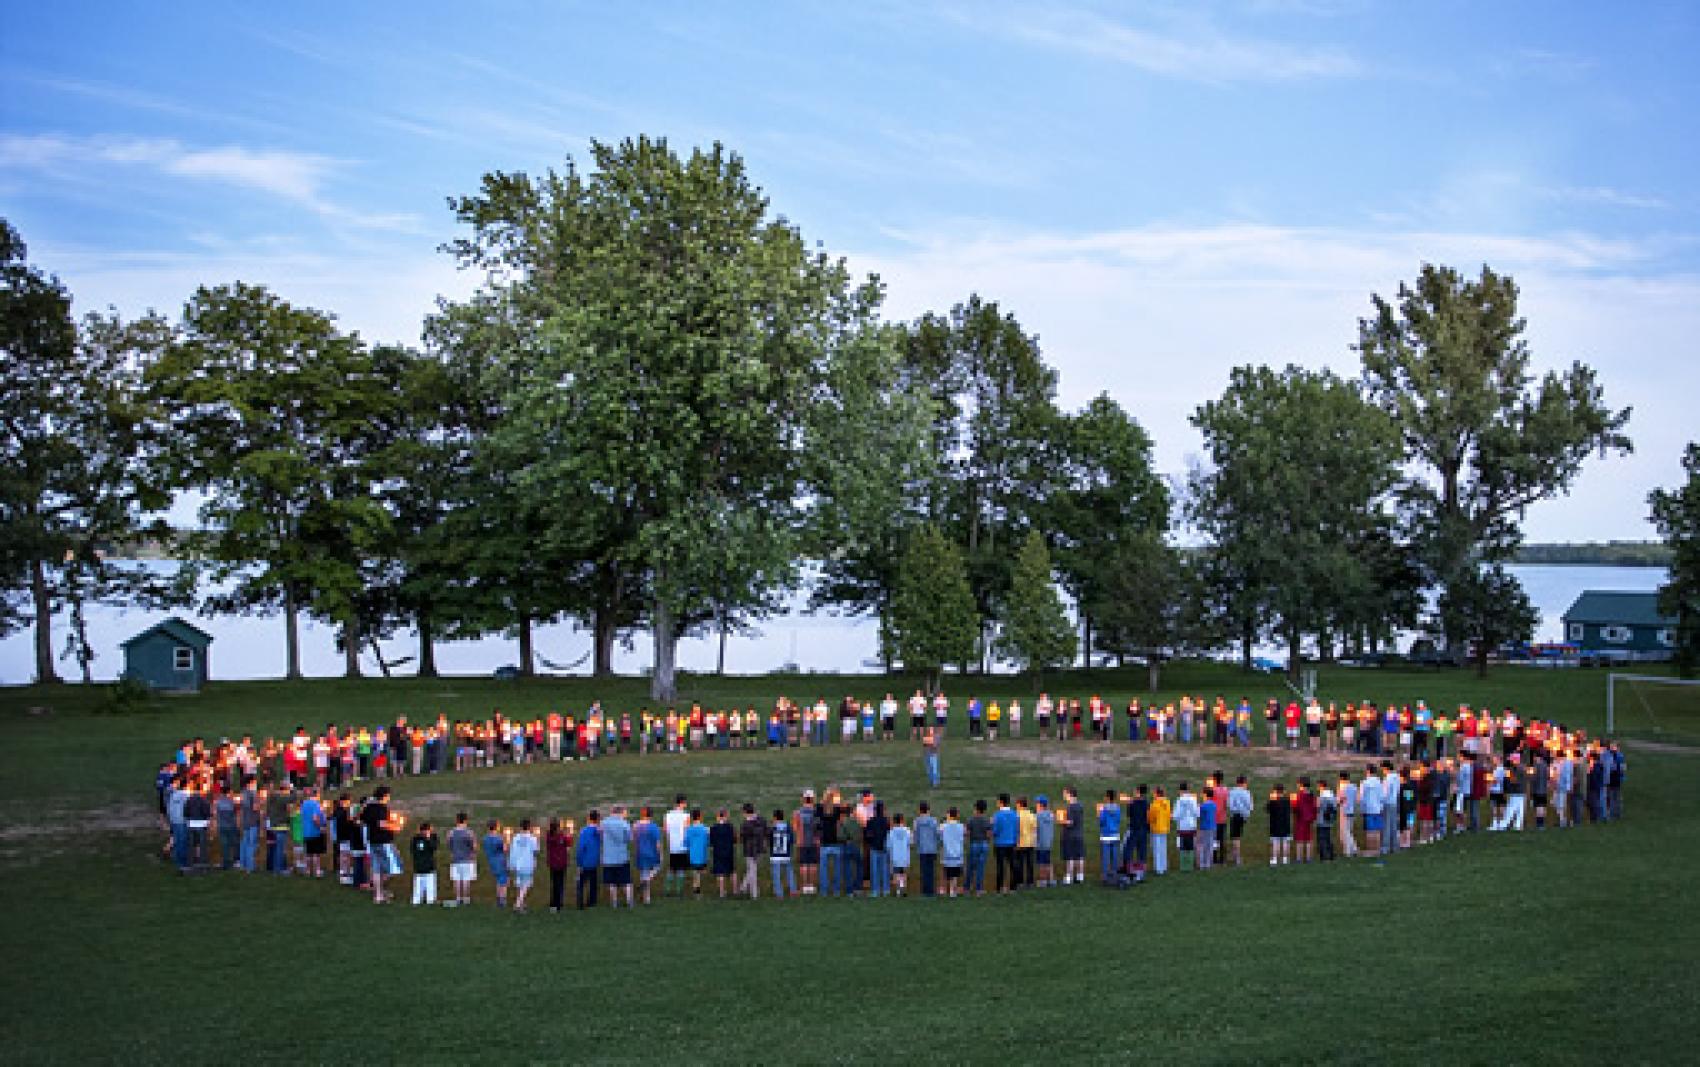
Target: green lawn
1554, 946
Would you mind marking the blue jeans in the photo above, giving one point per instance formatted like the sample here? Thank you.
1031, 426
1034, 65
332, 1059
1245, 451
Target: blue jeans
249, 849
831, 857
927, 863
180, 844
977, 851
880, 878
784, 874
227, 847
852, 861
1160, 853
933, 769
277, 856
1106, 859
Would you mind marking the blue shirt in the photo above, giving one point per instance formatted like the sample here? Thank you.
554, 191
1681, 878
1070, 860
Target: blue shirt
1006, 827
312, 817
616, 841
1207, 815
1110, 821
589, 852
647, 837
696, 843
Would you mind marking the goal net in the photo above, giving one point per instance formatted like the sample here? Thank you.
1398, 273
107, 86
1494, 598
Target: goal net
1653, 705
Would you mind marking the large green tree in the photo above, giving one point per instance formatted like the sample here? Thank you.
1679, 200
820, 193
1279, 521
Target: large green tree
869, 470
1486, 608
933, 620
994, 413
74, 448
273, 415
1149, 602
1484, 439
1676, 515
1300, 469
1106, 494
1035, 633
669, 341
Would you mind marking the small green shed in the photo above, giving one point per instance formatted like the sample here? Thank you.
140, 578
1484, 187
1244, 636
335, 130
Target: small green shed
1611, 621
169, 655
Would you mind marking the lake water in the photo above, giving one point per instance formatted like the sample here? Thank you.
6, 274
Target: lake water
252, 646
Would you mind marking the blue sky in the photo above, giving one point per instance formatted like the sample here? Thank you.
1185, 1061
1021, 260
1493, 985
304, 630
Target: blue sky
1160, 191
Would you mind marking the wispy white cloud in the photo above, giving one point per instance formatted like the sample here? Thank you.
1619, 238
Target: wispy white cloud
1190, 49
1604, 194
298, 177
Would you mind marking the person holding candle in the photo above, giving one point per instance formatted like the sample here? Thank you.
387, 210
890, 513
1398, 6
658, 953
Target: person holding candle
1304, 821
381, 828
1186, 815
1327, 811
646, 848
617, 856
1370, 803
927, 845
1006, 832
1207, 819
723, 847
782, 837
1239, 813
1160, 820
496, 858
1280, 811
899, 844
423, 851
522, 861
676, 822
1026, 843
752, 834
588, 855
558, 855
463, 861
952, 839
696, 847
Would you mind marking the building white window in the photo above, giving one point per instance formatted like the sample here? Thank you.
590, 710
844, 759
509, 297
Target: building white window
1576, 631
183, 659
1617, 635
1667, 637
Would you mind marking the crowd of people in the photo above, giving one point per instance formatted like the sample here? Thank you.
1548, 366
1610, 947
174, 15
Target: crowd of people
270, 805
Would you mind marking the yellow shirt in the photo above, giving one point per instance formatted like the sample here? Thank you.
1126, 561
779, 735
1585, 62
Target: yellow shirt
1029, 836
1159, 815
994, 713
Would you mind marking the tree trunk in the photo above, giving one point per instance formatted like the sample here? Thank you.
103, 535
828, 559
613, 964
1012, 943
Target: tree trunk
351, 649
1085, 640
1154, 671
1245, 649
1294, 643
1481, 659
602, 631
662, 684
427, 646
43, 604
291, 635
526, 660
378, 654
720, 660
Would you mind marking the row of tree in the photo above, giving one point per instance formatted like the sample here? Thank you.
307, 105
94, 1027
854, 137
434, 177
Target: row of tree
662, 411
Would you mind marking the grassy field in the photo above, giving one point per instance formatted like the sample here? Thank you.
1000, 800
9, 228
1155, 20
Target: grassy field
1554, 946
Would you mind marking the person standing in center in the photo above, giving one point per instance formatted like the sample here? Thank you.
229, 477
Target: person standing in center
1073, 821
1160, 820
589, 858
927, 846
753, 836
1006, 833
930, 755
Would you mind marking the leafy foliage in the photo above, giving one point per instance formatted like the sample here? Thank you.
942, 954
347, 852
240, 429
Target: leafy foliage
1036, 634
933, 619
1676, 515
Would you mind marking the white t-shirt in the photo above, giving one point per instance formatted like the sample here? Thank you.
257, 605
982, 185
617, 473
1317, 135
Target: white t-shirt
522, 852
676, 823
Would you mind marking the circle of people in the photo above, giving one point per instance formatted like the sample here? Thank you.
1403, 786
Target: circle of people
1428, 775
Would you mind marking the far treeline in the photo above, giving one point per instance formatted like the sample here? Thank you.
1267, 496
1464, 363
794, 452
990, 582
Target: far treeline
663, 410
1599, 554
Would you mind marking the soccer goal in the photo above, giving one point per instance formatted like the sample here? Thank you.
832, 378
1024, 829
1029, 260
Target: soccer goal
1653, 703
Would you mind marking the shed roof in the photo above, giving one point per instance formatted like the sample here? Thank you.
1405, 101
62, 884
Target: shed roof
178, 629
1614, 606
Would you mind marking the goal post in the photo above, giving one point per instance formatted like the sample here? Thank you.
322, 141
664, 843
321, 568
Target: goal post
1664, 712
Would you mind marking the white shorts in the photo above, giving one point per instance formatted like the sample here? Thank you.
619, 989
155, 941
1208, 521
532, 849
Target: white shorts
464, 872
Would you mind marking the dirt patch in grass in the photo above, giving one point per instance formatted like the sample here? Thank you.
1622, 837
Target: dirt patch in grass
1092, 760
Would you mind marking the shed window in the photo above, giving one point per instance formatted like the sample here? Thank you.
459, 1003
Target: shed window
1667, 637
183, 659
1617, 635
1576, 631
